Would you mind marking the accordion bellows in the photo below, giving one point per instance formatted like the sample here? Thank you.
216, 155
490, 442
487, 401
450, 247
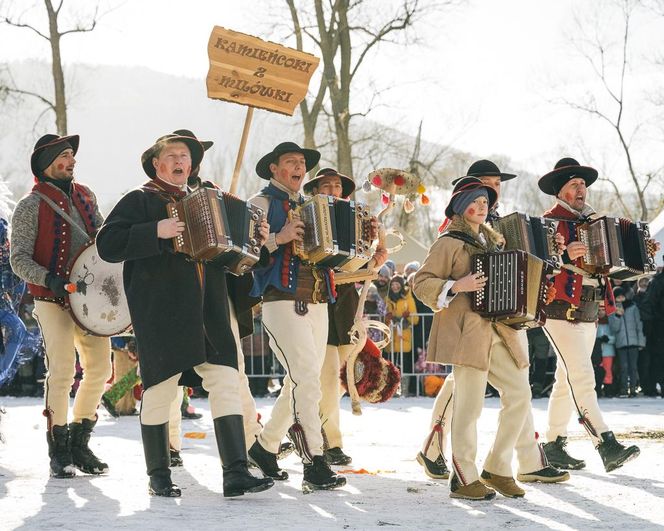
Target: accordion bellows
337, 233
515, 291
617, 247
218, 226
532, 234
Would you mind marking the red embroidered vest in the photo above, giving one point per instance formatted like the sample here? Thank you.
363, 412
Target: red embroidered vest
53, 242
567, 284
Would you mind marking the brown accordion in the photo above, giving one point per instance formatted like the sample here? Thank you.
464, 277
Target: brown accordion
337, 233
219, 227
515, 291
617, 247
532, 234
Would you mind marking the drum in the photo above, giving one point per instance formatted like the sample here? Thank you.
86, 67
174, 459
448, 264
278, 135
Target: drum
98, 305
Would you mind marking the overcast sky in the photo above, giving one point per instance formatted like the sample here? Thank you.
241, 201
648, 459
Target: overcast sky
483, 78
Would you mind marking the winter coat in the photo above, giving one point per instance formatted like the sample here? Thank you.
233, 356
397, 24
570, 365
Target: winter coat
608, 347
628, 328
178, 324
458, 335
401, 326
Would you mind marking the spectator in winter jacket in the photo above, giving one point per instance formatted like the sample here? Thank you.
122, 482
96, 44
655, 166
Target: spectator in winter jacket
652, 314
628, 329
608, 345
402, 314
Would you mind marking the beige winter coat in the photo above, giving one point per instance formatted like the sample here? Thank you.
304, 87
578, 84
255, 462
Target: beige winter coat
458, 335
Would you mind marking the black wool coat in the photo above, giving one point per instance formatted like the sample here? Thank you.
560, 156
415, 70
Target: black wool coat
178, 324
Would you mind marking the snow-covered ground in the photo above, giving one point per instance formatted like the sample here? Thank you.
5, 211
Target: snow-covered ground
384, 441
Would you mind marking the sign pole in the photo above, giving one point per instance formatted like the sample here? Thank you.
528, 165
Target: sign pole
240, 151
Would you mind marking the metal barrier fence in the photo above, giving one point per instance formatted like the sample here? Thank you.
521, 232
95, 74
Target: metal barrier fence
407, 351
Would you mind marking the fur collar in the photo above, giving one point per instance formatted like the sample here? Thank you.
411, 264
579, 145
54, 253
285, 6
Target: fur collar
494, 240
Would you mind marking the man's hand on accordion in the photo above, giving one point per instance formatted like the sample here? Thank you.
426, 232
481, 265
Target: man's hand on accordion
169, 228
263, 231
292, 230
576, 250
550, 293
471, 282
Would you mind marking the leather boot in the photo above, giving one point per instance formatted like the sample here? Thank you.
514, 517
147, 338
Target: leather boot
84, 459
229, 431
157, 459
613, 454
59, 451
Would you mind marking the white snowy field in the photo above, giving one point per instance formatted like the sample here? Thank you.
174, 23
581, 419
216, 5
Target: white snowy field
384, 441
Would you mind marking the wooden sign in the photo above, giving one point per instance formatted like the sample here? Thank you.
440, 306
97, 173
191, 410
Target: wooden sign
250, 71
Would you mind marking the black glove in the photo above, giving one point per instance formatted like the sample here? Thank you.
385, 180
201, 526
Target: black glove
604, 338
56, 285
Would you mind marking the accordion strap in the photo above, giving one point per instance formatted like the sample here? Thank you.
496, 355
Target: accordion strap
462, 236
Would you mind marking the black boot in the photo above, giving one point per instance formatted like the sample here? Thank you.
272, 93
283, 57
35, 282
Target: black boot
83, 458
59, 450
229, 431
319, 476
267, 462
558, 457
336, 456
157, 459
613, 454
176, 458
436, 469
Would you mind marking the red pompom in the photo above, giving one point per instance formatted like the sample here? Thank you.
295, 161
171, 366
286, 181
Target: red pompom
377, 180
399, 180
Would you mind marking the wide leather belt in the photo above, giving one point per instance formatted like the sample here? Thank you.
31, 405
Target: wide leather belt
310, 288
565, 311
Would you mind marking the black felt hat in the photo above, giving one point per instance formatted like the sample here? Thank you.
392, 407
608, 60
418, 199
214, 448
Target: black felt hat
195, 148
486, 168
47, 148
207, 144
565, 170
311, 158
347, 184
467, 184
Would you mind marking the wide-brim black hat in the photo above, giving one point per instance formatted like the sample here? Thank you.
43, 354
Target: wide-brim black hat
195, 148
48, 142
565, 170
467, 184
486, 168
347, 184
207, 144
311, 158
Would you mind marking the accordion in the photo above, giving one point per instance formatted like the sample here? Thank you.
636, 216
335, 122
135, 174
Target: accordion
218, 226
337, 233
532, 234
617, 247
515, 291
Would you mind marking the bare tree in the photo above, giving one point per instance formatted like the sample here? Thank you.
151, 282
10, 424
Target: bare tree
58, 102
596, 50
345, 33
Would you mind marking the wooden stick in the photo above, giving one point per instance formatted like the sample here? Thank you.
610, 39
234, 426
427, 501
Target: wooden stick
240, 152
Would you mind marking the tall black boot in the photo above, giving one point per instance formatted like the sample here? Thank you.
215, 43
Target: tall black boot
84, 459
229, 431
59, 450
157, 459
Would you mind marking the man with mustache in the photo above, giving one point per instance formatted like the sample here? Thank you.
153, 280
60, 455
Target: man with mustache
50, 226
571, 325
295, 297
180, 315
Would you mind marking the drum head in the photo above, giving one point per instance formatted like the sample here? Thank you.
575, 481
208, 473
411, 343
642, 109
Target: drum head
99, 304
